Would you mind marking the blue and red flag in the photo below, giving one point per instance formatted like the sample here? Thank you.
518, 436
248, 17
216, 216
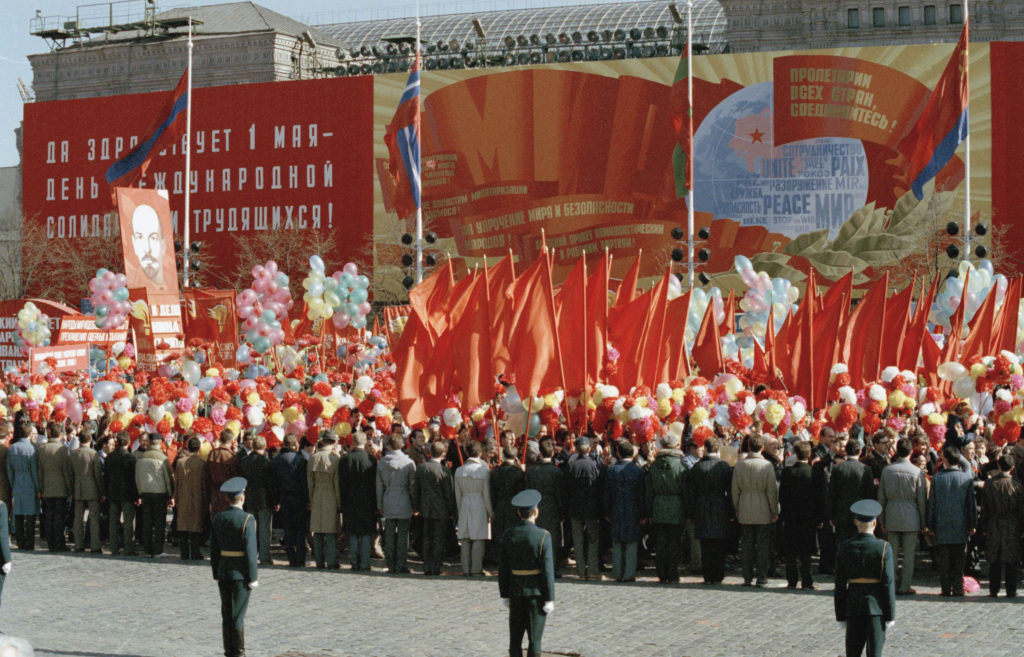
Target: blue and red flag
943, 124
403, 141
169, 126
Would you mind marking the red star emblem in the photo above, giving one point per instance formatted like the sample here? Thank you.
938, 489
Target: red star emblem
755, 136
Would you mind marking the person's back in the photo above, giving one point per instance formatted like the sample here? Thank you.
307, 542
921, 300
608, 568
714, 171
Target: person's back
119, 476
506, 481
290, 492
151, 472
902, 492
221, 465
583, 485
754, 490
1002, 517
85, 468
394, 476
433, 491
255, 469
55, 470
952, 517
850, 480
710, 482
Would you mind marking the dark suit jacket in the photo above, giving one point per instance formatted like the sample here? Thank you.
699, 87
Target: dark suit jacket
288, 478
851, 481
710, 484
234, 532
256, 470
865, 557
527, 548
119, 476
797, 513
546, 479
357, 476
5, 535
505, 481
433, 492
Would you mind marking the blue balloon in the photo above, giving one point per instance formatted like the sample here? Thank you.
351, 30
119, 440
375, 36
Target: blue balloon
199, 357
242, 353
252, 372
534, 428
206, 384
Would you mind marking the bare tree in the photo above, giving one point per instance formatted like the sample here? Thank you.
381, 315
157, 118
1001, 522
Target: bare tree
290, 249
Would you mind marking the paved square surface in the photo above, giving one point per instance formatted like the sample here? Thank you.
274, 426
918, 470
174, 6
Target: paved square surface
88, 606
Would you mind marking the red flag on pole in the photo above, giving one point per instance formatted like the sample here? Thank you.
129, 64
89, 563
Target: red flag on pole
500, 277
597, 318
1007, 320
471, 346
707, 348
916, 329
979, 340
675, 342
627, 288
865, 335
897, 317
533, 341
571, 315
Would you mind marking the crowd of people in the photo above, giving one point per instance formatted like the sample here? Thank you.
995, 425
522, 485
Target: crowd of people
677, 499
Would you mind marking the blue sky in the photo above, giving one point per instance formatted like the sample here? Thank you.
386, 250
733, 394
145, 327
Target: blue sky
16, 43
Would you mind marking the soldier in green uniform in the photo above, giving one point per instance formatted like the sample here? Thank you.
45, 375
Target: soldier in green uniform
865, 594
526, 575
233, 556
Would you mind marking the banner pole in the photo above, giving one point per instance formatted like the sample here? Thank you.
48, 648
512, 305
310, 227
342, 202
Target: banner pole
188, 158
689, 156
967, 149
419, 159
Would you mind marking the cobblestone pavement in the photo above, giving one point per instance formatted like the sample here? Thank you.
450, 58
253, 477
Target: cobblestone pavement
87, 606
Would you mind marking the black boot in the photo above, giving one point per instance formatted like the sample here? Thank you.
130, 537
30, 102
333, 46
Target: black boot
228, 637
240, 643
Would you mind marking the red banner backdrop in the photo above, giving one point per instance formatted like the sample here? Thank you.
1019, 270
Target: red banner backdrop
65, 358
1007, 60
209, 315
298, 158
10, 355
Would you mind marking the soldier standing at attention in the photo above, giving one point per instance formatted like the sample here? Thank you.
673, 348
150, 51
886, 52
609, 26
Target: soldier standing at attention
233, 555
526, 576
865, 593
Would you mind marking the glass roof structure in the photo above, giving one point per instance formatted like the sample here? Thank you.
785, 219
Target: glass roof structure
610, 22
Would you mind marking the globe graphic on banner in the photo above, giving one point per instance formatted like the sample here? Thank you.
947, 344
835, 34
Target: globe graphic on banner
802, 186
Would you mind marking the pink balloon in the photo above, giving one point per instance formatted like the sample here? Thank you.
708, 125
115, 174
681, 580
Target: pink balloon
271, 266
351, 268
246, 298
257, 271
165, 371
75, 412
93, 284
260, 285
109, 277
122, 280
340, 320
105, 297
365, 308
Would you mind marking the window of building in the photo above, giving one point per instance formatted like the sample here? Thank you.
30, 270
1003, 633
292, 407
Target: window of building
853, 18
904, 16
929, 14
956, 14
878, 17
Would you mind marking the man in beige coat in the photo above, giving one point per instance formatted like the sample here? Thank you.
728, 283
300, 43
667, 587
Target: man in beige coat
88, 489
325, 502
56, 483
755, 496
191, 499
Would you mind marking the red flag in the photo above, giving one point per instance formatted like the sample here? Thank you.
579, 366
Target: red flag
533, 340
707, 348
500, 277
438, 380
918, 326
652, 344
675, 342
597, 318
979, 340
931, 354
826, 327
956, 326
866, 325
843, 288
762, 355
411, 354
626, 325
1007, 321
471, 346
210, 316
801, 378
729, 323
571, 315
428, 298
627, 288
897, 318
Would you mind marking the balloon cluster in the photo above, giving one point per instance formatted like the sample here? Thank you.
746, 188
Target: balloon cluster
109, 299
264, 306
699, 300
766, 294
33, 328
979, 282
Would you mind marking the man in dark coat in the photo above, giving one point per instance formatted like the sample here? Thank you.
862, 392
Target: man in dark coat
851, 480
796, 501
221, 465
433, 498
290, 494
583, 481
624, 509
879, 456
546, 478
710, 483
506, 481
1002, 518
23, 471
665, 495
233, 556
828, 451
255, 469
865, 593
357, 476
952, 518
119, 482
526, 576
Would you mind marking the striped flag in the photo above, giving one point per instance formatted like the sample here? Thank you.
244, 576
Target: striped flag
403, 141
169, 125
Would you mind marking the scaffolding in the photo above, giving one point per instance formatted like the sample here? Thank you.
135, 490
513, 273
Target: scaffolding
106, 19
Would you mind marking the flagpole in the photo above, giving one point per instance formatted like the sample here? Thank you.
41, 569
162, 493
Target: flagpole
689, 156
419, 159
188, 156
967, 150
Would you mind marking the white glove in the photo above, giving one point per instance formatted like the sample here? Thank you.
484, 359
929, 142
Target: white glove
549, 607
253, 584
889, 624
505, 602
6, 567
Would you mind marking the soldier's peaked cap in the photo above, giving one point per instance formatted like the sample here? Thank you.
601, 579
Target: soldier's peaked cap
865, 510
234, 486
527, 499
